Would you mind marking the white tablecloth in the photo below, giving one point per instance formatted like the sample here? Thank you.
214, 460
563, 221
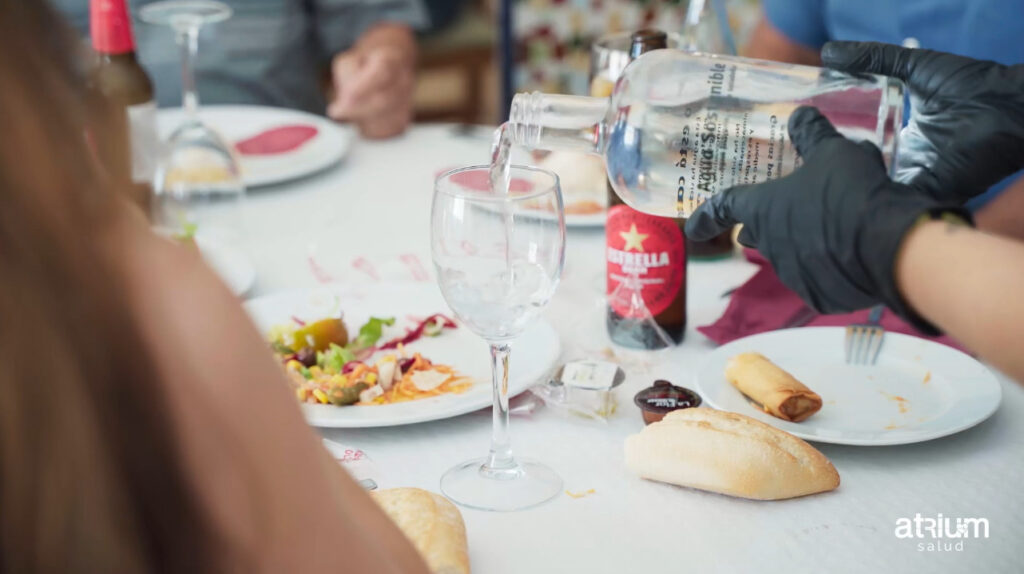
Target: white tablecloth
374, 209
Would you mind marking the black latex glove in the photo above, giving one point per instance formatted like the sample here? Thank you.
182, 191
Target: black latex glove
832, 228
966, 128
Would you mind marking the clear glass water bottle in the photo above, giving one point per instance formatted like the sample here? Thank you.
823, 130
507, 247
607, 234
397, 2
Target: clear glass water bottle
680, 127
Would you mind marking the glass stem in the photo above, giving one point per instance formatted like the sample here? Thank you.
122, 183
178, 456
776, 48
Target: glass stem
188, 38
500, 457
691, 29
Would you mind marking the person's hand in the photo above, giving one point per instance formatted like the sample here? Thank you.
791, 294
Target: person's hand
966, 129
373, 82
832, 229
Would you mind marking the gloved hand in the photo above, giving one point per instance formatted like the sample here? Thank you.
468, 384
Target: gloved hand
833, 227
966, 128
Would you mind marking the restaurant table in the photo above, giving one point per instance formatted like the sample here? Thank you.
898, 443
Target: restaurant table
368, 218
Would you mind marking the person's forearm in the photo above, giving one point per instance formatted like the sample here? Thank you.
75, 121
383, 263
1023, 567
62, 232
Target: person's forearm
390, 34
1004, 215
971, 285
767, 43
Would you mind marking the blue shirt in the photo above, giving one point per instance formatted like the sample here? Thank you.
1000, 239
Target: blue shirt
270, 52
981, 29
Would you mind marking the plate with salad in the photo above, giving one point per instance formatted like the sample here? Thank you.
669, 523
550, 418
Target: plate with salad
387, 355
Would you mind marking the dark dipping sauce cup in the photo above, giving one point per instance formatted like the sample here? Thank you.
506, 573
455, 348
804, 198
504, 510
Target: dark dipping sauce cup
662, 398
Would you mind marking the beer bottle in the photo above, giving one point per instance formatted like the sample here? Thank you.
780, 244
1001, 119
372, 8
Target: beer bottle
649, 249
130, 150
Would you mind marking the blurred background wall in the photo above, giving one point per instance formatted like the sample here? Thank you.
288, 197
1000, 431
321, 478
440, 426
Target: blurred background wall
460, 72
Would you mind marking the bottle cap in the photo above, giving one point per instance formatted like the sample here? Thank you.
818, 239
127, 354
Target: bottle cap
110, 27
645, 40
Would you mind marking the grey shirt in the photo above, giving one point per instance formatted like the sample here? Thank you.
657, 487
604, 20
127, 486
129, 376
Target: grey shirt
270, 52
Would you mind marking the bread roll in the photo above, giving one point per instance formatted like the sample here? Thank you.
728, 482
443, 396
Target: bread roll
728, 453
432, 524
777, 391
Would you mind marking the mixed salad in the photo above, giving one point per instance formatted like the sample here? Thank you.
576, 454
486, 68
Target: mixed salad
326, 366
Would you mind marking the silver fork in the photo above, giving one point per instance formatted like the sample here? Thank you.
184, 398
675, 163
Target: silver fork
864, 340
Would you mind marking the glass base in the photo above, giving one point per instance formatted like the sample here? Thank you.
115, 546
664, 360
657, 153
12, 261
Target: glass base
184, 14
527, 484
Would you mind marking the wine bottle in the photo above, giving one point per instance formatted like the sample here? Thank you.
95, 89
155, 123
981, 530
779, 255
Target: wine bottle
680, 127
128, 95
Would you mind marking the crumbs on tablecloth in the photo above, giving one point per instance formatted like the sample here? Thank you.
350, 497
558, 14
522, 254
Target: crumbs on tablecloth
580, 494
927, 377
893, 426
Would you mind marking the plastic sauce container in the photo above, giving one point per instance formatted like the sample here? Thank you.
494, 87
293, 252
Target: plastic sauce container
663, 397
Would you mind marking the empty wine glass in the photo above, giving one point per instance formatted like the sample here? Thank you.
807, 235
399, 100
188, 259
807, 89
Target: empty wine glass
498, 258
198, 179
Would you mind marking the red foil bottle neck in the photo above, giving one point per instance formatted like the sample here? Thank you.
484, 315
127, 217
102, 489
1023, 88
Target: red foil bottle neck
111, 27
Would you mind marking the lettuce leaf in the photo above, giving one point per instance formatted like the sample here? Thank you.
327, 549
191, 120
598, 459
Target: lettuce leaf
371, 332
187, 233
279, 347
334, 359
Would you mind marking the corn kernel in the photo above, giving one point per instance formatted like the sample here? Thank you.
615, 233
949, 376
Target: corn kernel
371, 378
300, 394
293, 365
339, 380
315, 371
320, 396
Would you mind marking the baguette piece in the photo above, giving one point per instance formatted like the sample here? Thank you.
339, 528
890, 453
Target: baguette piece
777, 391
728, 453
433, 525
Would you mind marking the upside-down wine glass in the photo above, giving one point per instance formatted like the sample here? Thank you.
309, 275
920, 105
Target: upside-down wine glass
198, 182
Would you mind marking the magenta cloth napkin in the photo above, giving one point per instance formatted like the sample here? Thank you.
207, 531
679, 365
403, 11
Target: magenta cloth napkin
764, 304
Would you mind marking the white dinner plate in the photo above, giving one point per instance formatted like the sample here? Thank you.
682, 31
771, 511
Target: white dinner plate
235, 123
918, 390
583, 179
588, 220
231, 263
534, 354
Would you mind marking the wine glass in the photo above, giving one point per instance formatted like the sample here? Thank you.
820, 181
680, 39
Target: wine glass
198, 179
498, 257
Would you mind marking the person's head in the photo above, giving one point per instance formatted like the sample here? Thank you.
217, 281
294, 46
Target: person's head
90, 475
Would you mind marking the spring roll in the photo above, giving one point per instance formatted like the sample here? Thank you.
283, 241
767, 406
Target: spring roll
777, 391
